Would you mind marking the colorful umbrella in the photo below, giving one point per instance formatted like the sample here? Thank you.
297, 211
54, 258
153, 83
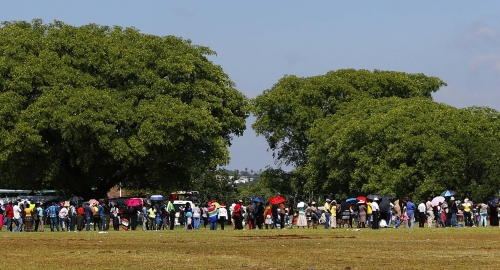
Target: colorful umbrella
277, 200
157, 198
362, 198
437, 200
92, 201
258, 199
448, 193
351, 200
134, 202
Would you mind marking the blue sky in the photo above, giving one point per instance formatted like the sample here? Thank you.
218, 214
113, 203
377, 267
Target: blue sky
257, 42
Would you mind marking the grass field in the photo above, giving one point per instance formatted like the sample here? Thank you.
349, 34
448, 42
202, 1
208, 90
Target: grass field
419, 248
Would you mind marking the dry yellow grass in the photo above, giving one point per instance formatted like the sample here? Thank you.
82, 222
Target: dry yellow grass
449, 248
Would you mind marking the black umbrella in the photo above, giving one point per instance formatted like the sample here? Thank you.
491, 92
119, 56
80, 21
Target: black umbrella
384, 205
76, 199
389, 197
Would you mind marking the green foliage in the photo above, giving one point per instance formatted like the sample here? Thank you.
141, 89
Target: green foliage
273, 182
288, 110
216, 184
92, 106
407, 147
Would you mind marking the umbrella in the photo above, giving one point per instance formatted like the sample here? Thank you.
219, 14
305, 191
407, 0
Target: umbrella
350, 200
157, 198
362, 198
134, 202
301, 204
437, 200
277, 200
92, 201
389, 197
258, 199
384, 205
493, 202
76, 199
373, 196
448, 193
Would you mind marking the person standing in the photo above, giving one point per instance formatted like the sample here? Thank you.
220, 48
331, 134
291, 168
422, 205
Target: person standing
260, 215
144, 218
282, 216
483, 212
88, 215
467, 206
251, 216
369, 213
113, 212
291, 213
274, 210
222, 215
333, 217
63, 217
9, 216
375, 213
41, 224
52, 214
238, 217
452, 212
430, 212
171, 213
107, 215
361, 214
80, 218
1, 217
327, 213
494, 215
212, 216
410, 211
196, 217
421, 214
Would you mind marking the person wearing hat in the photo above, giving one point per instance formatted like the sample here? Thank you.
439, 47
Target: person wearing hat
467, 206
328, 213
222, 215
452, 213
375, 213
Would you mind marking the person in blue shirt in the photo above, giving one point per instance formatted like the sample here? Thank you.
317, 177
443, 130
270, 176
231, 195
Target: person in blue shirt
100, 210
88, 215
410, 211
52, 214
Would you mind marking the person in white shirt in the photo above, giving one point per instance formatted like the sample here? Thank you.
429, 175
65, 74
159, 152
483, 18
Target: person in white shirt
375, 213
63, 217
421, 214
17, 218
222, 215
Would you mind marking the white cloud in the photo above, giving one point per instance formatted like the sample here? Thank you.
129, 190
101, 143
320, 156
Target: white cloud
488, 60
479, 34
461, 97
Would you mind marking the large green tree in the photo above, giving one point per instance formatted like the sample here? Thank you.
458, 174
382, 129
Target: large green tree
408, 147
288, 110
92, 106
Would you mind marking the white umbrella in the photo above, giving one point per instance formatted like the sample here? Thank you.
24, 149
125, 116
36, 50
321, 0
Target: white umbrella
437, 200
301, 204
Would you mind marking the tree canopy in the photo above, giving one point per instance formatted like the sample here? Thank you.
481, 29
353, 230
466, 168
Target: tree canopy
92, 106
289, 109
413, 147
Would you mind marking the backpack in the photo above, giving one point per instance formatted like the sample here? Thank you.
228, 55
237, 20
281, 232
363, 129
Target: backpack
71, 212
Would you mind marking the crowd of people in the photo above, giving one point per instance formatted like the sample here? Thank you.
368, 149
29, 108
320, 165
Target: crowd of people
23, 216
